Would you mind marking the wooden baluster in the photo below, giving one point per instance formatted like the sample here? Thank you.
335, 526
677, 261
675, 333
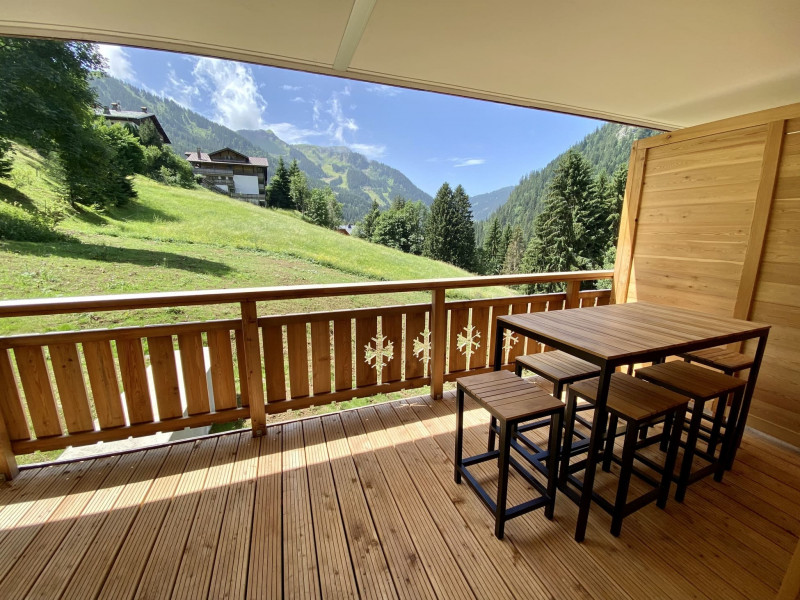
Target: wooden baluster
252, 358
71, 387
321, 356
480, 331
438, 349
134, 381
297, 340
193, 366
165, 377
273, 362
392, 330
103, 380
498, 310
343, 354
573, 294
366, 332
222, 381
11, 411
415, 330
8, 463
458, 322
244, 395
38, 392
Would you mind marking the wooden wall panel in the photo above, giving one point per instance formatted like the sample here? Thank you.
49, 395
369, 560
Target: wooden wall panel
715, 226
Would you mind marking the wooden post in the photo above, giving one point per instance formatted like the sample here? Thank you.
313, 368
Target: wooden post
438, 327
8, 463
252, 358
573, 294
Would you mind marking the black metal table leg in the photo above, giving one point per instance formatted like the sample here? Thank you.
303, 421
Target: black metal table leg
459, 434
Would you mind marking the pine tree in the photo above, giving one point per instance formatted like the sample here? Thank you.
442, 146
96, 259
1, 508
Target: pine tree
493, 248
616, 198
463, 230
401, 226
512, 262
280, 188
6, 160
366, 227
506, 240
298, 186
438, 230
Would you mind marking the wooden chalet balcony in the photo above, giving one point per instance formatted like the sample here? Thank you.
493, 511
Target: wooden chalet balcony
359, 503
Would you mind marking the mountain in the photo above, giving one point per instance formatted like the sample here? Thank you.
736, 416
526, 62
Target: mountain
605, 148
355, 179
484, 204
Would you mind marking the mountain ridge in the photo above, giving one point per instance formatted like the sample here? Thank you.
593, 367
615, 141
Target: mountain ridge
355, 179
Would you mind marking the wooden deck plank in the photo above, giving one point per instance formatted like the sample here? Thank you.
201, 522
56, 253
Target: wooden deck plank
18, 577
95, 530
336, 575
264, 580
474, 565
129, 563
229, 578
301, 573
403, 557
362, 504
21, 527
369, 562
430, 540
159, 574
194, 575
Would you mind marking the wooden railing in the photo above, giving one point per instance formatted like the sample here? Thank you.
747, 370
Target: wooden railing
147, 379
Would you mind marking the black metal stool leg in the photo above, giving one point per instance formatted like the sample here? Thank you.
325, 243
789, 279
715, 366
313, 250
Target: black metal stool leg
664, 445
688, 453
492, 427
719, 417
553, 449
730, 440
672, 456
611, 435
569, 429
502, 481
628, 450
459, 434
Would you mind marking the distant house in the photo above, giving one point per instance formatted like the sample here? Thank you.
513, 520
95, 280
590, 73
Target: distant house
115, 114
232, 172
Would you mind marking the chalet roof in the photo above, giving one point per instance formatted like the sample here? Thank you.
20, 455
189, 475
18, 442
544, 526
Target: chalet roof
132, 116
205, 157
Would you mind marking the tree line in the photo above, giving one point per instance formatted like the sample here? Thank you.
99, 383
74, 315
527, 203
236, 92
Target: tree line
576, 229
46, 102
289, 189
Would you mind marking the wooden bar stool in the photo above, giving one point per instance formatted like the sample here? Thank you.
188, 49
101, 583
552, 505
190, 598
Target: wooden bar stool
510, 400
559, 368
701, 385
730, 363
638, 404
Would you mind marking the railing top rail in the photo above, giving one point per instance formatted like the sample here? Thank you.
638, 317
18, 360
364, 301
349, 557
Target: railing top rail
43, 306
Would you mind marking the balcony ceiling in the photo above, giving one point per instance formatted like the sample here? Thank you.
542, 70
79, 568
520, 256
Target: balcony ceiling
662, 64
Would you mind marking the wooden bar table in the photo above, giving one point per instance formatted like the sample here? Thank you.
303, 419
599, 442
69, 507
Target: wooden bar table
623, 334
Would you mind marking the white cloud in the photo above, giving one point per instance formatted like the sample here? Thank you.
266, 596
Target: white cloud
372, 151
119, 65
298, 99
468, 162
291, 88
292, 134
179, 90
384, 90
233, 92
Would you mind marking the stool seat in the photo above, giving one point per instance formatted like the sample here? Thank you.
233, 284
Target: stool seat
720, 358
509, 398
558, 366
692, 380
630, 398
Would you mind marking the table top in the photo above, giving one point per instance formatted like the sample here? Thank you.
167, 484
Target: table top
626, 331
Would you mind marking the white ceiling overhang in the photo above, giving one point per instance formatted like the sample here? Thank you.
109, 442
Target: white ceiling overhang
661, 64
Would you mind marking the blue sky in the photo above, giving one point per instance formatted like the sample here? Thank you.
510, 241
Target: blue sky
431, 138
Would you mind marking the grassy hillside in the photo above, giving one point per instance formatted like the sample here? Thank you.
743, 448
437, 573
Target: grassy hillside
176, 239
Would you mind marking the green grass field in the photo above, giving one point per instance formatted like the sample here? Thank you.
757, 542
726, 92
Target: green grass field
173, 239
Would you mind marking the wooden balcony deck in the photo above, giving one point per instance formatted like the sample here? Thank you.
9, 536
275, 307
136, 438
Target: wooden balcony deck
362, 504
